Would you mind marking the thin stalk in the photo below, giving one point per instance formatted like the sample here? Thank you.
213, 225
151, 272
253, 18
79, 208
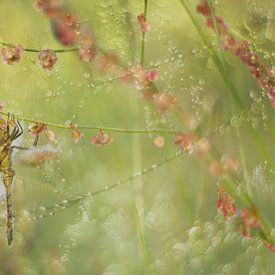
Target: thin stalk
227, 81
38, 50
52, 210
81, 127
214, 56
144, 247
213, 15
220, 65
143, 34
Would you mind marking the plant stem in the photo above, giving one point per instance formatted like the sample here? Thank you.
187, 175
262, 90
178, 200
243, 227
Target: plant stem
214, 56
109, 129
144, 247
222, 58
38, 50
64, 205
227, 81
143, 34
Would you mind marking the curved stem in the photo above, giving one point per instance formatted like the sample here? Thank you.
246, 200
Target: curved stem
108, 129
71, 202
38, 50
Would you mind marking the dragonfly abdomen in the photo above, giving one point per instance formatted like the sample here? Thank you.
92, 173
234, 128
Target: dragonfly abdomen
9, 222
7, 179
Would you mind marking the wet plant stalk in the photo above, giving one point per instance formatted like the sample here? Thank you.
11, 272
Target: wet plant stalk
81, 127
261, 146
38, 50
143, 34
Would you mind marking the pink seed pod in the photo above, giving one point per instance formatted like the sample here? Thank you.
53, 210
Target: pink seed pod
159, 141
64, 33
164, 101
50, 135
107, 62
226, 203
47, 59
204, 8
49, 7
37, 128
101, 138
250, 217
87, 52
216, 169
202, 147
11, 54
151, 75
87, 44
185, 142
76, 135
143, 24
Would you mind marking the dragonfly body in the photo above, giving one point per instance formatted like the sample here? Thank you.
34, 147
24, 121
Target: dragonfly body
6, 170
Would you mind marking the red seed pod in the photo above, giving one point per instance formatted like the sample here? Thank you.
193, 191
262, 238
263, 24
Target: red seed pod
37, 128
204, 8
250, 217
50, 135
159, 141
226, 203
63, 33
11, 54
164, 101
87, 44
185, 141
108, 62
87, 52
202, 147
49, 7
76, 135
216, 169
47, 59
270, 246
101, 138
143, 23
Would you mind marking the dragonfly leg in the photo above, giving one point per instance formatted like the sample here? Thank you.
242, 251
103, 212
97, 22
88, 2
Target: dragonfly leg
19, 130
19, 147
15, 132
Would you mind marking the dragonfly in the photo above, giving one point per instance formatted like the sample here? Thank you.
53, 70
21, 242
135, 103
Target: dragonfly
8, 134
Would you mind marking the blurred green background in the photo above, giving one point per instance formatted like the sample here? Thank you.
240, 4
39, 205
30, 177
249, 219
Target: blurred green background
165, 221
